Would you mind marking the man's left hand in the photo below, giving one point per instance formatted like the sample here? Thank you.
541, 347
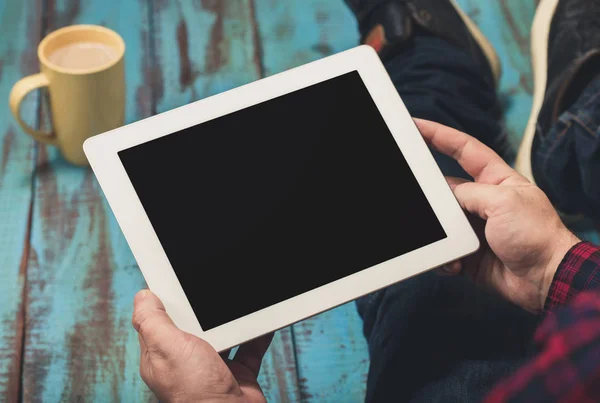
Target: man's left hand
180, 367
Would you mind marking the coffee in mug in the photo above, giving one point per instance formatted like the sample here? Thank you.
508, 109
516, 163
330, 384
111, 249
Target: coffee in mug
82, 55
82, 66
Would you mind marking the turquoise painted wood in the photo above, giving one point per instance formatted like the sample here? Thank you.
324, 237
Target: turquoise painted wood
331, 352
506, 24
19, 21
203, 48
297, 32
333, 359
81, 275
68, 278
278, 376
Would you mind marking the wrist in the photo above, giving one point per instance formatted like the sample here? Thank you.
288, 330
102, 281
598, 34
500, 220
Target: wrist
558, 250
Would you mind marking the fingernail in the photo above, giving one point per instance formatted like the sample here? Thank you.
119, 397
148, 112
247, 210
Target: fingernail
143, 294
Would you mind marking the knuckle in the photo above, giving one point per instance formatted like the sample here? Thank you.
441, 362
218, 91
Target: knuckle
145, 321
139, 317
509, 197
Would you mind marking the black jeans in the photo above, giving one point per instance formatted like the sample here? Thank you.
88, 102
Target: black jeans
431, 338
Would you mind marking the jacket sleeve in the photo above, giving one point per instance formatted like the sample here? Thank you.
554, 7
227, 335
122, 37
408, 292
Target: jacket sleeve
567, 367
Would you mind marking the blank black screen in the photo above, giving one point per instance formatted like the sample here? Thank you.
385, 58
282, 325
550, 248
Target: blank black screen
266, 203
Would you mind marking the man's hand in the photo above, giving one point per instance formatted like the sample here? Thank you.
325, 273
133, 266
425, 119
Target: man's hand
525, 240
180, 367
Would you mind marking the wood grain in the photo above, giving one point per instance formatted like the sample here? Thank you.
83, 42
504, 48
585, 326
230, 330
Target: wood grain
203, 48
506, 24
331, 353
81, 275
68, 278
297, 32
278, 375
20, 28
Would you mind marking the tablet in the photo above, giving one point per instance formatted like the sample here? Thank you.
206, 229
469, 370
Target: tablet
267, 204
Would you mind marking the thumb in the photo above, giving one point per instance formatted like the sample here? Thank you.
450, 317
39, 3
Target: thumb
476, 198
151, 321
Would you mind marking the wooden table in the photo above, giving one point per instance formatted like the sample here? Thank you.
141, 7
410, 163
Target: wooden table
67, 277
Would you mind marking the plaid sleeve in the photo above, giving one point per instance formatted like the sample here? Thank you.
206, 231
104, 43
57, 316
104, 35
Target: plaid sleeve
579, 271
568, 365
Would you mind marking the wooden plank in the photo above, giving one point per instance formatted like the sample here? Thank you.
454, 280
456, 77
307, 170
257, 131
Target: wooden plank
203, 48
298, 32
20, 26
331, 353
81, 275
507, 24
332, 356
278, 375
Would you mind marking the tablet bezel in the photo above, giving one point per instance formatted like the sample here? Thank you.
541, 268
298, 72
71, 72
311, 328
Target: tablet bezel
102, 154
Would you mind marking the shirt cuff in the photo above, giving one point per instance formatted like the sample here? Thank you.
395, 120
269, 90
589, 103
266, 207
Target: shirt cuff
578, 271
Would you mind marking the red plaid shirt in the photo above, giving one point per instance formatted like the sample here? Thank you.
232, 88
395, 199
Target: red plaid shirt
567, 368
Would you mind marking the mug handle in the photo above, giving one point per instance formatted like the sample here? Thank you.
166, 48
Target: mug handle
23, 87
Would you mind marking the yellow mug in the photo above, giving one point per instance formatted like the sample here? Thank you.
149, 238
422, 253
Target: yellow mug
83, 68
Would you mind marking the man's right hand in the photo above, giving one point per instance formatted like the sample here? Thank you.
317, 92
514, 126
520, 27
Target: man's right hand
525, 240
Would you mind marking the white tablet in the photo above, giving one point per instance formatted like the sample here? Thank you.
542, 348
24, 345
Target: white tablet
264, 205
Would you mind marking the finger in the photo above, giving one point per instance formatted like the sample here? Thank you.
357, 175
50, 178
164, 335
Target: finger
441, 271
453, 181
478, 198
454, 268
151, 321
251, 354
472, 196
477, 159
450, 269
